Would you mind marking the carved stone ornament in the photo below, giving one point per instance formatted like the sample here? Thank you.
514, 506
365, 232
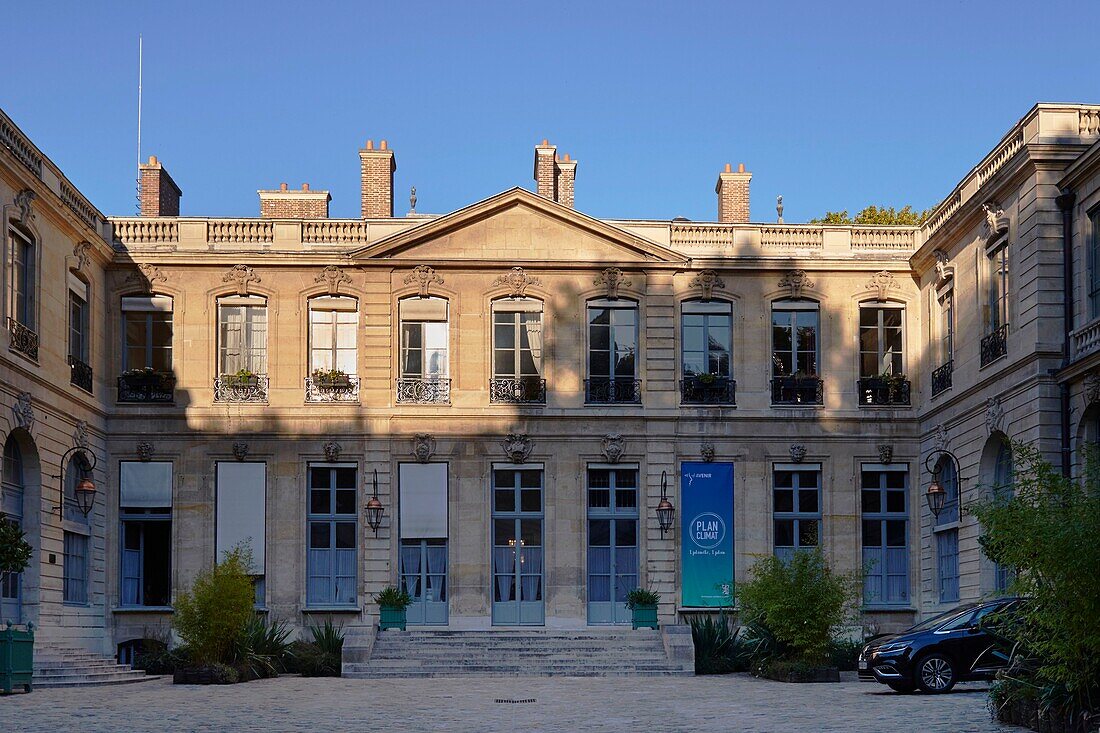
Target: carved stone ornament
706, 450
146, 276
242, 275
517, 447
940, 440
145, 450
1092, 388
798, 452
23, 201
881, 282
612, 278
886, 453
240, 450
80, 434
423, 447
613, 446
80, 253
994, 415
517, 281
706, 281
996, 221
423, 277
23, 411
332, 451
795, 282
944, 269
333, 277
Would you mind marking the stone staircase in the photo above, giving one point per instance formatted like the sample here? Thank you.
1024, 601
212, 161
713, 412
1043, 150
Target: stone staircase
59, 666
518, 652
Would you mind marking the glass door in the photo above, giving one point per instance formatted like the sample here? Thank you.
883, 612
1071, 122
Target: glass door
517, 547
424, 577
612, 543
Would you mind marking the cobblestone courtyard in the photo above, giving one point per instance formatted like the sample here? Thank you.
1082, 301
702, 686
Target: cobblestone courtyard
734, 703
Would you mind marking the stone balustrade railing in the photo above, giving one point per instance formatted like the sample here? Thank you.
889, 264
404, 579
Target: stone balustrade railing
146, 230
243, 231
702, 235
996, 160
12, 139
693, 237
1086, 339
335, 231
792, 237
904, 238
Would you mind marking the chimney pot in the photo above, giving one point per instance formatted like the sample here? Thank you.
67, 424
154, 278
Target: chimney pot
729, 168
370, 144
740, 167
305, 186
545, 142
282, 186
383, 145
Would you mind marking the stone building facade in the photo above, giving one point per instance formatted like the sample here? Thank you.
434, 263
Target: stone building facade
518, 384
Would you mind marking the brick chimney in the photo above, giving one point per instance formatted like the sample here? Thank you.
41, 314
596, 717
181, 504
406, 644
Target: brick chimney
566, 175
554, 177
160, 196
287, 204
376, 169
733, 195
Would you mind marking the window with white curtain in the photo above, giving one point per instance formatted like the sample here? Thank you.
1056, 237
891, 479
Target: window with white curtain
884, 507
75, 588
147, 333
333, 324
242, 335
517, 339
424, 338
881, 340
946, 532
332, 526
145, 512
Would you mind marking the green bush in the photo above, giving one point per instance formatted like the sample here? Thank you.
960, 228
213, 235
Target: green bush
844, 654
800, 603
393, 597
209, 674
309, 660
329, 638
163, 661
717, 650
259, 649
211, 617
15, 551
1048, 531
642, 597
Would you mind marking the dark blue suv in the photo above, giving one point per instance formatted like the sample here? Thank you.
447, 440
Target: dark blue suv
936, 653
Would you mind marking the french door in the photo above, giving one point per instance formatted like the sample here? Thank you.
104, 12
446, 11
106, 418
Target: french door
517, 560
612, 543
424, 577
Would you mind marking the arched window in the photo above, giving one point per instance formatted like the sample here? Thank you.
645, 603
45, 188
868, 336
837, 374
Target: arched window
333, 358
424, 368
11, 505
23, 291
242, 349
706, 348
517, 351
946, 533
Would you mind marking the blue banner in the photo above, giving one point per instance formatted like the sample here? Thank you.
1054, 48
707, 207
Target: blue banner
706, 547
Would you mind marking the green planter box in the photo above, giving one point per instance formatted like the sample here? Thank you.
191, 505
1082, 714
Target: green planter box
645, 617
391, 618
16, 659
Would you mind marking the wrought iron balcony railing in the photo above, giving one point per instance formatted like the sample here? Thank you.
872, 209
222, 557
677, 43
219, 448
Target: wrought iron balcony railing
879, 392
797, 391
612, 391
332, 389
941, 377
146, 385
235, 388
517, 390
994, 345
422, 391
23, 340
80, 374
700, 390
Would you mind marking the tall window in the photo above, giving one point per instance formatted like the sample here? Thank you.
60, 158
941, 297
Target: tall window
795, 353
612, 542
997, 284
80, 373
796, 507
147, 333
885, 522
612, 351
424, 367
332, 529
333, 323
241, 515
75, 589
706, 344
1003, 488
242, 335
23, 288
880, 340
12, 490
946, 534
517, 352
1094, 263
946, 341
145, 512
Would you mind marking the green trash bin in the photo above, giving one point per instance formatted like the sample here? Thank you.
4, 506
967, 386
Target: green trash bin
16, 658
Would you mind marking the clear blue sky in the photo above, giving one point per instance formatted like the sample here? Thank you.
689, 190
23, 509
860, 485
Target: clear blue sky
833, 107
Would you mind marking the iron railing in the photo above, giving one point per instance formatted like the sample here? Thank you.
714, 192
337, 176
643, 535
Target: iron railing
612, 391
234, 388
797, 391
421, 391
23, 339
335, 389
146, 385
517, 390
941, 377
697, 390
879, 392
994, 345
80, 374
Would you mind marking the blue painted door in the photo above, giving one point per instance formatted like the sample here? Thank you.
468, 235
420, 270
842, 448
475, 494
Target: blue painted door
612, 543
517, 560
424, 577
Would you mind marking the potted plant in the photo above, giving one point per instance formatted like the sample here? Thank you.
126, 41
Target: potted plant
895, 383
16, 647
707, 378
643, 607
243, 378
331, 379
393, 603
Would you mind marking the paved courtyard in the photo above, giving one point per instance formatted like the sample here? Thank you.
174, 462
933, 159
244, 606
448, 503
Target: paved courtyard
719, 704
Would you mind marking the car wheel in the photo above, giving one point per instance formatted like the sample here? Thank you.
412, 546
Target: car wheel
935, 673
903, 687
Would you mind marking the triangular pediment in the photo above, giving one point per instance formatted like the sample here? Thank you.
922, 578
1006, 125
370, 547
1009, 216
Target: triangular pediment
518, 226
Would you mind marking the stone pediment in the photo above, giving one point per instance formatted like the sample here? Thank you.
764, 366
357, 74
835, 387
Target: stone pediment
518, 226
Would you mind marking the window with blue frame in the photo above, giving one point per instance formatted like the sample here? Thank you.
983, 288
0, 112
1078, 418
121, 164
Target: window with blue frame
946, 533
796, 507
884, 503
75, 589
332, 529
1003, 489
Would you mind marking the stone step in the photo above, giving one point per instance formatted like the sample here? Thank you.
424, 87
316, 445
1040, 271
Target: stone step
95, 667
70, 667
119, 680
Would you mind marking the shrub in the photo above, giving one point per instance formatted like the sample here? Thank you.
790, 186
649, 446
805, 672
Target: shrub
393, 597
15, 551
163, 661
295, 651
642, 597
844, 654
314, 662
210, 674
717, 650
212, 615
328, 638
800, 603
1048, 531
259, 648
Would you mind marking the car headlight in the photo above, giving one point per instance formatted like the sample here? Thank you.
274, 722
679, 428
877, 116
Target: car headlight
893, 648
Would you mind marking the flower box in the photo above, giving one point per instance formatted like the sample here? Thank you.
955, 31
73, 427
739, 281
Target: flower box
16, 658
644, 616
392, 617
